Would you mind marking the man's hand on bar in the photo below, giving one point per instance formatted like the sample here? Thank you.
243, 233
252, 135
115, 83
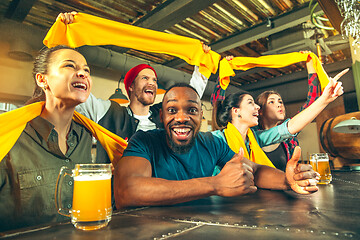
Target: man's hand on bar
301, 177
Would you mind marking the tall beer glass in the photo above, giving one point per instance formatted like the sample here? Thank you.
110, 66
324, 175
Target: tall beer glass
320, 163
91, 208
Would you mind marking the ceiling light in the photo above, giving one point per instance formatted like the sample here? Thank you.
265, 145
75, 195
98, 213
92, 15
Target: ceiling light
118, 96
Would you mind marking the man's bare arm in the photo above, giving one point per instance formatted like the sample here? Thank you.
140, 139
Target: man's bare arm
134, 186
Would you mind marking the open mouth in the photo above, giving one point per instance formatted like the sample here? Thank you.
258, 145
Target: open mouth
182, 133
79, 85
149, 92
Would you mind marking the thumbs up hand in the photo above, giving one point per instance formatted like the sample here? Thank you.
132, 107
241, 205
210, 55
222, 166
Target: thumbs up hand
236, 177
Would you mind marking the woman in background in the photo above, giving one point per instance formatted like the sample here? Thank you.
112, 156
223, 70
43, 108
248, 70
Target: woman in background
238, 113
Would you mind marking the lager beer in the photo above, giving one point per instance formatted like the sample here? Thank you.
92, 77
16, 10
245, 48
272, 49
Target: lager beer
91, 208
320, 163
91, 201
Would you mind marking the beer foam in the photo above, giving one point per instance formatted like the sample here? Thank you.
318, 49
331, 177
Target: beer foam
94, 177
319, 160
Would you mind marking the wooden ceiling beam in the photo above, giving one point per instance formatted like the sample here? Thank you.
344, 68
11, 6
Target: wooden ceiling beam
19, 9
171, 12
280, 23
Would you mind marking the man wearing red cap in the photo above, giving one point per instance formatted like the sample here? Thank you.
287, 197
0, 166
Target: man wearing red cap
142, 94
141, 86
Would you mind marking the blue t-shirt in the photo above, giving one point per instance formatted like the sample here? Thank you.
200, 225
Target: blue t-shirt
207, 152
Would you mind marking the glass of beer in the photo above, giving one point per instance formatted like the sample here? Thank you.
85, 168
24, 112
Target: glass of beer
91, 208
320, 163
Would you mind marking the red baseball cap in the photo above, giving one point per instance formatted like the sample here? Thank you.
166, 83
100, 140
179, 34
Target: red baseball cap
132, 73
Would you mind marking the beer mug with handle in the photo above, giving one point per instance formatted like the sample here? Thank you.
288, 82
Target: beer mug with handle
91, 208
320, 163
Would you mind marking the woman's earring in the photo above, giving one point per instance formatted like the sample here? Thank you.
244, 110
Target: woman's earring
44, 87
239, 116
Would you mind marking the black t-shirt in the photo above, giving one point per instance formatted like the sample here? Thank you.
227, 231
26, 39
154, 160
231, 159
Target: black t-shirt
278, 157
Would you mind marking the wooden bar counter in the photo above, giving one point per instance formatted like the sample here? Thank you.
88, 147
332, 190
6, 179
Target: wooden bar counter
331, 213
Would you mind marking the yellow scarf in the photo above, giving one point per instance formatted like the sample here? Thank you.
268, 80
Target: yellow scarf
13, 123
235, 142
271, 61
91, 30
